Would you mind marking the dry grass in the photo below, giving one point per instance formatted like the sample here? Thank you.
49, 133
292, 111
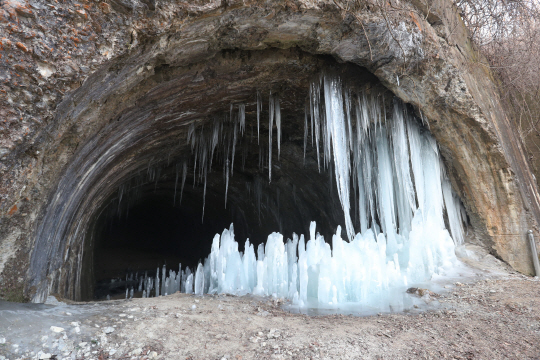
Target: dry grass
507, 33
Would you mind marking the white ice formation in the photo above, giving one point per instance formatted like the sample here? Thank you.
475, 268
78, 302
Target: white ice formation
389, 175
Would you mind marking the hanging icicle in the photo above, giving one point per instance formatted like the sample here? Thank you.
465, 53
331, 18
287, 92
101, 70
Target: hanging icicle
242, 117
277, 112
259, 109
270, 126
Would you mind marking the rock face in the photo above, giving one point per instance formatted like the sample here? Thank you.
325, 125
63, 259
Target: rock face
94, 92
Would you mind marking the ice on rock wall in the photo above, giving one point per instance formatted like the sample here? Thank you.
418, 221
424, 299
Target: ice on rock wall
392, 187
388, 170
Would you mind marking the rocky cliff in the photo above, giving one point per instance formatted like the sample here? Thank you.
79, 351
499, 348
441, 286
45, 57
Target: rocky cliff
92, 91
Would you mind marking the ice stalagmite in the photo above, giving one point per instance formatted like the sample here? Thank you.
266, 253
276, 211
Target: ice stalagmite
189, 284
157, 282
199, 280
163, 278
249, 266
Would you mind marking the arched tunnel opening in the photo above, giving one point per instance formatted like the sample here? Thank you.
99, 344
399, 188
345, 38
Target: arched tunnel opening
363, 150
269, 141
157, 218
160, 222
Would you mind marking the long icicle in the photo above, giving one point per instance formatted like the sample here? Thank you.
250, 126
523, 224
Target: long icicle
259, 108
175, 185
270, 126
336, 131
278, 124
184, 175
305, 132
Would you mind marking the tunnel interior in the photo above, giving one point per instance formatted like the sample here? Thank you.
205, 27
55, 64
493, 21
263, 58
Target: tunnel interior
155, 221
154, 216
189, 154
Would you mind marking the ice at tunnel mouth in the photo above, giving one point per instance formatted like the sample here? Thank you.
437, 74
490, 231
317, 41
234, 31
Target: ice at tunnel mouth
389, 175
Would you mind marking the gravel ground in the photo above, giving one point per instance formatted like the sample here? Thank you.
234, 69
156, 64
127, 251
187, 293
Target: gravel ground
490, 317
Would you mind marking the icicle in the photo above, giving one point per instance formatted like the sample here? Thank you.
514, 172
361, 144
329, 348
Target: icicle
311, 113
175, 185
386, 183
190, 134
157, 178
204, 196
453, 210
184, 175
270, 126
242, 117
335, 124
214, 142
259, 108
406, 202
233, 148
226, 181
278, 123
305, 133
415, 145
315, 97
348, 116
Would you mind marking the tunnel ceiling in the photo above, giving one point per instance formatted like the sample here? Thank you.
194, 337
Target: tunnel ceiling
123, 102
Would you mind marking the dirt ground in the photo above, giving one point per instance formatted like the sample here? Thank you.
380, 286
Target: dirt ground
491, 317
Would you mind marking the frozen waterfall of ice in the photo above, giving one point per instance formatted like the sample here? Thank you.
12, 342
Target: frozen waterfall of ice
391, 183
400, 193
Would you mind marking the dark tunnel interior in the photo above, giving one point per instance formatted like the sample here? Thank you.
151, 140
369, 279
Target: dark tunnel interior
143, 225
154, 229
